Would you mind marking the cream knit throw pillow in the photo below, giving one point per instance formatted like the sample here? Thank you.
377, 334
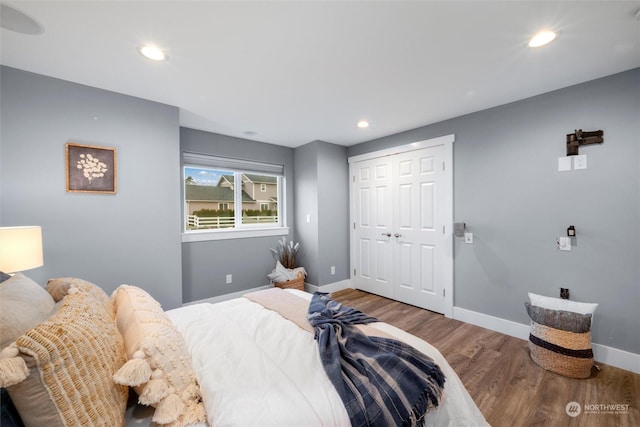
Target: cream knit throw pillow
60, 372
159, 365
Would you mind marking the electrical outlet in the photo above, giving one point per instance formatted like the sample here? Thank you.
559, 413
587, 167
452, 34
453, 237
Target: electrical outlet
580, 162
333, 270
229, 278
564, 243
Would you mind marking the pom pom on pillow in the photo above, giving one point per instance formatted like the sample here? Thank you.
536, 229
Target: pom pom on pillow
159, 365
58, 288
135, 372
13, 369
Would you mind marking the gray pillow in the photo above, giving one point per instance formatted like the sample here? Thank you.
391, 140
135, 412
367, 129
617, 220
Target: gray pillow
559, 319
25, 304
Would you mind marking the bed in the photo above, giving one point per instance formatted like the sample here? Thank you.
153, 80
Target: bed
234, 363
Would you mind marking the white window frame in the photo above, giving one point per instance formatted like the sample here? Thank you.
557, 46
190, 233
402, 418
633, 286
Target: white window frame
263, 188
238, 167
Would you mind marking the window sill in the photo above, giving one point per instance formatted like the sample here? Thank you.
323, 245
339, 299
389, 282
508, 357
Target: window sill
206, 235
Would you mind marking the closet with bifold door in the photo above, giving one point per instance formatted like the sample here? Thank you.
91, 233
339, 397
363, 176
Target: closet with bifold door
402, 223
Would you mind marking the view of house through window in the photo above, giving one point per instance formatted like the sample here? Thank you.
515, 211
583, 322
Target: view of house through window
221, 199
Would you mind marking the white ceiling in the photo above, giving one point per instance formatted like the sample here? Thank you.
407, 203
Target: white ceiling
289, 73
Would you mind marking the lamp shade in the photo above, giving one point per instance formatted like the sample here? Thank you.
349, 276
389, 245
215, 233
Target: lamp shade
20, 248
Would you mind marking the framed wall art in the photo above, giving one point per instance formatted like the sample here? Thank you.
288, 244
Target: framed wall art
90, 169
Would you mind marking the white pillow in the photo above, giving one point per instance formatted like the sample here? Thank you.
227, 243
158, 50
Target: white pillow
562, 304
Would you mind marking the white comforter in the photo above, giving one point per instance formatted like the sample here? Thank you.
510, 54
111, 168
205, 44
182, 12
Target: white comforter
256, 368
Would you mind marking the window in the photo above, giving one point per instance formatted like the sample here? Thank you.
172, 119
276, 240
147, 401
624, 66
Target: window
228, 198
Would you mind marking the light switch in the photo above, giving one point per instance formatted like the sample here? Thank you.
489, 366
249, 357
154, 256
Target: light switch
564, 243
564, 164
468, 237
308, 217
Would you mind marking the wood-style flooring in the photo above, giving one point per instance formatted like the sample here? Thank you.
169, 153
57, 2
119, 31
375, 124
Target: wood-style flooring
509, 389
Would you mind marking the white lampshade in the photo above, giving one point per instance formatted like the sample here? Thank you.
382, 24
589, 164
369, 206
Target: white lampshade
20, 248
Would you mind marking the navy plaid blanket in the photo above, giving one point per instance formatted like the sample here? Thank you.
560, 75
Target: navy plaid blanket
382, 382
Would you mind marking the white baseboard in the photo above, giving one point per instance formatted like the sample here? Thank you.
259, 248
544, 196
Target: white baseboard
497, 324
227, 297
330, 287
615, 357
611, 356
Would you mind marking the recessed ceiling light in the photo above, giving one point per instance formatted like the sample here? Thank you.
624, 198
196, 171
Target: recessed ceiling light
14, 20
542, 38
154, 53
362, 124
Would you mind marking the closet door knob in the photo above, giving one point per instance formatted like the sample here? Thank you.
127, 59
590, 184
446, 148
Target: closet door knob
397, 234
386, 234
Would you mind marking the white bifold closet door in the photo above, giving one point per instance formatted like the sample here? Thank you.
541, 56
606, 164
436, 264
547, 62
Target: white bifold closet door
398, 218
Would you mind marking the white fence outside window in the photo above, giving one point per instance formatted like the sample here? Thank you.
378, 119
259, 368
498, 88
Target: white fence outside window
195, 222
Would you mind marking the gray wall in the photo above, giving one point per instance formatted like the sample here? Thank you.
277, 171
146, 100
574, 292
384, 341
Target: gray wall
508, 190
333, 224
131, 237
306, 190
249, 260
322, 192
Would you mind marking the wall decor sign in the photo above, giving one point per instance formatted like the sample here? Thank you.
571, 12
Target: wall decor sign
90, 169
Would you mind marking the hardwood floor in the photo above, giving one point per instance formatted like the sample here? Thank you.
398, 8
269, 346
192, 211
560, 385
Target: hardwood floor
496, 369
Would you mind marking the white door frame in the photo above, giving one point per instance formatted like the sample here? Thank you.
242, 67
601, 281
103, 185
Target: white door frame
447, 142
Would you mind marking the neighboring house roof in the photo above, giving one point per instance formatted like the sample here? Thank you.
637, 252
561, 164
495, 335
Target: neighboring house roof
262, 179
210, 193
228, 178
255, 178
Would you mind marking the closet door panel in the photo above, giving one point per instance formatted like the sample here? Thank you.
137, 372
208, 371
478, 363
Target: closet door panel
372, 225
419, 226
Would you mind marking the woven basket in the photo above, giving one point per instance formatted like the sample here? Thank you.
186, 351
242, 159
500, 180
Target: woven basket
297, 283
565, 353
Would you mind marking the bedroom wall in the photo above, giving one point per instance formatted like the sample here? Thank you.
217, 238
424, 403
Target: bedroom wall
306, 189
333, 224
322, 193
131, 237
508, 190
206, 264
